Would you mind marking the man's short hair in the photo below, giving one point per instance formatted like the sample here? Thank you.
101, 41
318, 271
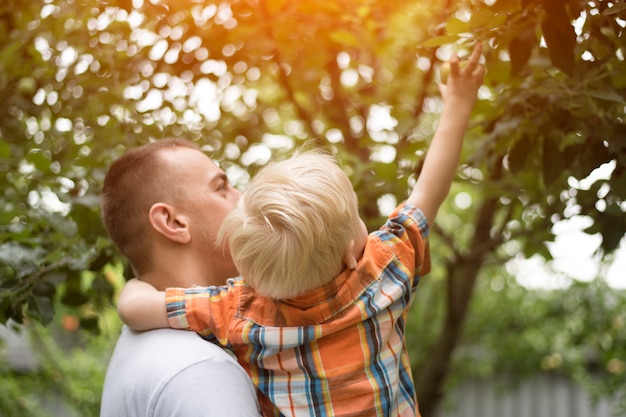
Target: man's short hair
134, 182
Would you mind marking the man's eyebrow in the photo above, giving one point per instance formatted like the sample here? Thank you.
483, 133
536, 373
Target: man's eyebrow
219, 177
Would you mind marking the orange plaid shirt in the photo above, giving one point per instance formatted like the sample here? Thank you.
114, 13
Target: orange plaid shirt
338, 350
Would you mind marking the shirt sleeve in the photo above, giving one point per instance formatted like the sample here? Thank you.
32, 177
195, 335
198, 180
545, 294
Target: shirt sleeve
406, 230
205, 310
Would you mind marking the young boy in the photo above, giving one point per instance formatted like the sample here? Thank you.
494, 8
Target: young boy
318, 318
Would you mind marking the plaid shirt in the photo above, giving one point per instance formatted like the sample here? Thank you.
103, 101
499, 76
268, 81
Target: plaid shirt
336, 350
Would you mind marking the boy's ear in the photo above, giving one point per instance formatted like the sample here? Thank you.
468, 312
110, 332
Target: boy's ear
168, 222
348, 256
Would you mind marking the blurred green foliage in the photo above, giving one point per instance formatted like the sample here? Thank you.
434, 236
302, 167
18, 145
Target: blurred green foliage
81, 81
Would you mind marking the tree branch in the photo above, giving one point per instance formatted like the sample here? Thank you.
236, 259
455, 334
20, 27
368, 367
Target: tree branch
283, 77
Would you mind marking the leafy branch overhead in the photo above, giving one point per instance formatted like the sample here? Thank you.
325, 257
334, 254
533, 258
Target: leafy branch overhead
81, 81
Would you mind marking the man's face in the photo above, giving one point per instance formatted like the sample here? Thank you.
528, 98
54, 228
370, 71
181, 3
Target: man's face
206, 197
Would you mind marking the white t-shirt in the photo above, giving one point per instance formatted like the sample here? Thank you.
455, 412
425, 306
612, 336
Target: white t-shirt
174, 373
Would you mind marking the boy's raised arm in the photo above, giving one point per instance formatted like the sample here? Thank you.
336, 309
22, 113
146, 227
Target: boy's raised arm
442, 158
142, 307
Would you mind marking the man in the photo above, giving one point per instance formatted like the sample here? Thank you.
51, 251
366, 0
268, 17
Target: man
162, 205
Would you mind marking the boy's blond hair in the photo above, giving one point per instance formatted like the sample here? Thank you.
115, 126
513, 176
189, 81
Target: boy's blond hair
291, 229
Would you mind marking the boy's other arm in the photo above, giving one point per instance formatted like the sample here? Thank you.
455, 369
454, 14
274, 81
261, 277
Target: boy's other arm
442, 158
141, 306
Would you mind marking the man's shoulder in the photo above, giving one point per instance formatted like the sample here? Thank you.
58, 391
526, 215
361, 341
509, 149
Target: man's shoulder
183, 344
153, 370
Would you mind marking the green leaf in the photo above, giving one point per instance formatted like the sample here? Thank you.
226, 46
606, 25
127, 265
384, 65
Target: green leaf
101, 260
553, 162
455, 26
41, 308
39, 160
618, 185
594, 155
439, 41
5, 149
44, 288
344, 37
90, 324
608, 95
74, 298
102, 286
486, 19
559, 35
617, 8
518, 155
521, 48
7, 284
613, 228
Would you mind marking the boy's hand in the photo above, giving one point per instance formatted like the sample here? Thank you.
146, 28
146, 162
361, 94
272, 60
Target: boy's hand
141, 306
442, 158
464, 78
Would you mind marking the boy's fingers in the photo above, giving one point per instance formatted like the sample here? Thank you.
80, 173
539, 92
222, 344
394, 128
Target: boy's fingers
478, 48
474, 57
480, 71
454, 63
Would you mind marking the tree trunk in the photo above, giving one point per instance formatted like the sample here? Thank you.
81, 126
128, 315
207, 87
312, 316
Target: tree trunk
461, 279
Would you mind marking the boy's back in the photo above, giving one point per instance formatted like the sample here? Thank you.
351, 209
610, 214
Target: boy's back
338, 349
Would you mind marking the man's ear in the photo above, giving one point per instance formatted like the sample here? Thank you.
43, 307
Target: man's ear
348, 256
169, 223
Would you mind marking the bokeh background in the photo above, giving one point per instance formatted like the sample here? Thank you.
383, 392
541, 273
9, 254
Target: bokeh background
81, 81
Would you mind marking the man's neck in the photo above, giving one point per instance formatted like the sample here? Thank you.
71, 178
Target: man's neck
182, 276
